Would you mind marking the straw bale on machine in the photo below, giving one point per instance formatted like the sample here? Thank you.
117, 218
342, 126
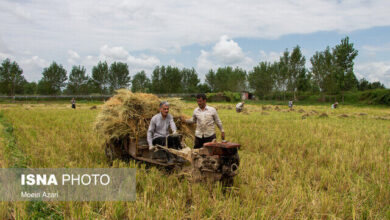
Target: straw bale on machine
127, 116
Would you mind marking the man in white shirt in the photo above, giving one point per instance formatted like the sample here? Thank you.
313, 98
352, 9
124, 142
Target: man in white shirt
240, 106
159, 126
205, 116
290, 104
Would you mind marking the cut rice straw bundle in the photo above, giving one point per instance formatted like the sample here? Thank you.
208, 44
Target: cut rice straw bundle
127, 115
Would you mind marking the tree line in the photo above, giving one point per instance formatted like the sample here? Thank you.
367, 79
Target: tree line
331, 72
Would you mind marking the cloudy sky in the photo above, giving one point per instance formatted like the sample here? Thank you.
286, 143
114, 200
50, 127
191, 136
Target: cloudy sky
199, 34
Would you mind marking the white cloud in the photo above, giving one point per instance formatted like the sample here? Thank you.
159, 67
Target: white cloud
73, 57
147, 62
73, 54
374, 71
37, 61
270, 56
4, 56
375, 50
50, 28
33, 67
139, 25
174, 63
15, 9
90, 61
176, 49
203, 62
225, 52
4, 51
113, 53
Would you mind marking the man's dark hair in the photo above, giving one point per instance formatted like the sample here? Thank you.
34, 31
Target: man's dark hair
201, 95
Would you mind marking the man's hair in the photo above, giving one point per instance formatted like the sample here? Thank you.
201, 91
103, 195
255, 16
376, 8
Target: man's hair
164, 103
201, 95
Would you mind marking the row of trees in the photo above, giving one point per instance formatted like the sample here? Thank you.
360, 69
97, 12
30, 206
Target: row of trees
55, 81
331, 72
104, 80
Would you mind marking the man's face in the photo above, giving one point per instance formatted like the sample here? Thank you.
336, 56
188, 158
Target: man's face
201, 103
164, 110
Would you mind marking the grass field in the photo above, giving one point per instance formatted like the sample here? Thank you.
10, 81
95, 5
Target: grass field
331, 167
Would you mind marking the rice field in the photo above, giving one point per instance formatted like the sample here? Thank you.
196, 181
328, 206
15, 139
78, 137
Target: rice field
310, 163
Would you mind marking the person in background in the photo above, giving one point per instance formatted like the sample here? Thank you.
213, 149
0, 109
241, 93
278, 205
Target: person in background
290, 104
205, 117
240, 107
334, 105
73, 103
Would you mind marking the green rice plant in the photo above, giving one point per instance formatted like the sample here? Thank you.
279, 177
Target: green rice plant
292, 167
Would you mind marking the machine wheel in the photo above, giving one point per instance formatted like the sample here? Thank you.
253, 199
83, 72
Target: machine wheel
113, 153
109, 154
227, 181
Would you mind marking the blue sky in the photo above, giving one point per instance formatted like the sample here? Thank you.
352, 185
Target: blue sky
199, 34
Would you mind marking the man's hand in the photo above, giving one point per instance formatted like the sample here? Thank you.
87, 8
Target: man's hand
152, 148
223, 135
174, 134
183, 119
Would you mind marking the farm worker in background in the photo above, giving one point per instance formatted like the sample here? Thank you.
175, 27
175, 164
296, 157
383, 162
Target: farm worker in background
240, 106
335, 105
205, 116
290, 104
159, 125
73, 103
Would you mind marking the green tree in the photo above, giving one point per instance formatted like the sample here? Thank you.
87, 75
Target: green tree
30, 88
157, 84
364, 84
53, 80
119, 76
343, 55
350, 81
78, 81
282, 75
238, 81
261, 79
100, 77
189, 81
277, 77
203, 88
44, 88
296, 70
304, 82
211, 80
227, 79
333, 71
322, 70
376, 85
172, 80
166, 80
140, 82
11, 78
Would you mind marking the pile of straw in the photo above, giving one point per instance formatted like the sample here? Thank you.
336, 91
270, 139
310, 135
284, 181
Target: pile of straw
128, 115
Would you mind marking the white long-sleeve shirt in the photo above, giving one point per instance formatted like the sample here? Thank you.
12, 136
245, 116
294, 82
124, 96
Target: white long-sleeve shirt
205, 120
239, 106
159, 126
